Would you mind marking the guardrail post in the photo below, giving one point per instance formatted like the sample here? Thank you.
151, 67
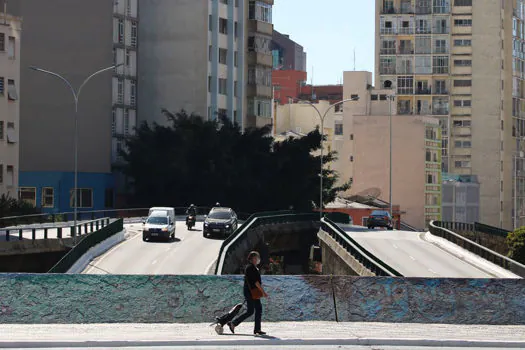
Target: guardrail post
7, 236
33, 234
20, 234
45, 233
85, 228
107, 221
59, 232
91, 226
97, 224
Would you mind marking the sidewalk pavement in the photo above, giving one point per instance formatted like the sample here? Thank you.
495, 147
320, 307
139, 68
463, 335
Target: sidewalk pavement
279, 334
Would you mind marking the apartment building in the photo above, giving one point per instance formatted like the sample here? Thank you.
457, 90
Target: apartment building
74, 38
359, 132
462, 61
10, 34
287, 54
210, 57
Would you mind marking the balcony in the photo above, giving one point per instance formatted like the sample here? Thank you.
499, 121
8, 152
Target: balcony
387, 51
440, 70
424, 91
388, 11
387, 31
423, 30
258, 58
441, 92
423, 111
423, 10
441, 30
387, 70
408, 10
440, 111
406, 31
404, 111
406, 50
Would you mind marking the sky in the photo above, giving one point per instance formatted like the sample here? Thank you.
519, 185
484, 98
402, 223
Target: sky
329, 30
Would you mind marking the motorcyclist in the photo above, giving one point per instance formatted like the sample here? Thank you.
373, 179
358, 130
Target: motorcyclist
217, 204
191, 211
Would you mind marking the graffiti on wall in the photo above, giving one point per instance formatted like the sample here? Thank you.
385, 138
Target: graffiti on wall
198, 299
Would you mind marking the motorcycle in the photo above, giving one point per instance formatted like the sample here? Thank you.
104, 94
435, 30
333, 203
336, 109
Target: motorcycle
190, 221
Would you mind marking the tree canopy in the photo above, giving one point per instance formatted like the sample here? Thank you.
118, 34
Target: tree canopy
516, 243
193, 160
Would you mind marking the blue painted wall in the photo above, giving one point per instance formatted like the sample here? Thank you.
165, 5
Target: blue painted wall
63, 183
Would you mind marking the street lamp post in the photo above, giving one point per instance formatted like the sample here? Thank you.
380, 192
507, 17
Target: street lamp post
322, 118
76, 95
390, 98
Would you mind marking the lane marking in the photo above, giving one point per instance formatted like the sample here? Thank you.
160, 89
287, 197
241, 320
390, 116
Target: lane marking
411, 257
432, 271
395, 246
154, 262
209, 266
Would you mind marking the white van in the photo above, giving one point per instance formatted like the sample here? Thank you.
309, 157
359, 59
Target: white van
159, 224
170, 211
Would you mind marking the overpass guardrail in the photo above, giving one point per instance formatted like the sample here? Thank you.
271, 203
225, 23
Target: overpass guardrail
367, 259
256, 220
490, 255
86, 243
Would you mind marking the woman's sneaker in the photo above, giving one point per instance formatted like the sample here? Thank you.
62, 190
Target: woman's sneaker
259, 333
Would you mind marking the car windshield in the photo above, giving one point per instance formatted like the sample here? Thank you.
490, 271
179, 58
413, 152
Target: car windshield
221, 215
157, 220
380, 213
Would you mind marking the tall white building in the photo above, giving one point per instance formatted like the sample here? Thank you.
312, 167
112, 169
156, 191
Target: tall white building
10, 32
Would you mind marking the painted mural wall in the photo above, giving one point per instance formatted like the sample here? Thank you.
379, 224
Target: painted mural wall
197, 299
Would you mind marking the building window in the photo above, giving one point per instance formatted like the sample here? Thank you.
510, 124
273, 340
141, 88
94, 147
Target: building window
260, 11
134, 34
405, 85
440, 64
236, 29
222, 113
235, 89
12, 95
2, 42
10, 172
351, 137
113, 122
11, 48
109, 198
48, 197
462, 144
462, 83
462, 123
235, 58
463, 2
84, 198
11, 133
463, 63
2, 85
120, 31
133, 93
1, 174
462, 164
373, 97
1, 130
126, 122
224, 2
223, 56
462, 42
223, 26
120, 91
338, 129
462, 103
28, 195
223, 86
464, 22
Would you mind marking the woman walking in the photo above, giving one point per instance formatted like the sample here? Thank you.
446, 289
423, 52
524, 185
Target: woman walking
253, 291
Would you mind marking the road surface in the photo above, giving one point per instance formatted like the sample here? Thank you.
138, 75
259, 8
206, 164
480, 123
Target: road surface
412, 256
189, 254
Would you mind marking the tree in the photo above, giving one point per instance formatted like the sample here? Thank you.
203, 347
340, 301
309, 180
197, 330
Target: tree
15, 207
193, 160
516, 243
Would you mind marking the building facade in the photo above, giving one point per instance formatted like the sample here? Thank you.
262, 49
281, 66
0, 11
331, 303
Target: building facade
10, 35
444, 57
210, 57
74, 38
287, 54
460, 198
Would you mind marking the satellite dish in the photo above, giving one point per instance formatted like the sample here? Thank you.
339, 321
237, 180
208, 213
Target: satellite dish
373, 192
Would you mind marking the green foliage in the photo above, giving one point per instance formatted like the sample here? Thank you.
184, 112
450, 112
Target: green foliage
516, 243
14, 207
198, 161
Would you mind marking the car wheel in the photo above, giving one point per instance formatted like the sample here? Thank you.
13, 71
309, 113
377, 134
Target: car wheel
369, 227
144, 238
390, 228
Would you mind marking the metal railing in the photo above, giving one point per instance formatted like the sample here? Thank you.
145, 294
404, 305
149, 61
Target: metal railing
55, 231
472, 227
487, 254
85, 244
367, 259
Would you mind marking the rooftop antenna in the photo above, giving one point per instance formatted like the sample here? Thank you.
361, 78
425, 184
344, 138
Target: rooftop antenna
354, 59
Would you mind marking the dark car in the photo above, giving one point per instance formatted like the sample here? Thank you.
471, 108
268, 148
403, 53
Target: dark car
380, 218
220, 222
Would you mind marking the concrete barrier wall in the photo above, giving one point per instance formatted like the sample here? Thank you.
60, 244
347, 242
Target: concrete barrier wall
64, 298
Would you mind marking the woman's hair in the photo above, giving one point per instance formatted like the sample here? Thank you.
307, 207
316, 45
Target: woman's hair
252, 255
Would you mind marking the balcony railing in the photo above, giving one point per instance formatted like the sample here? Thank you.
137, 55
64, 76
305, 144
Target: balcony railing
388, 31
406, 30
440, 111
406, 51
406, 10
423, 30
387, 51
441, 50
388, 11
423, 91
441, 92
405, 91
387, 70
441, 30
423, 111
423, 10
440, 70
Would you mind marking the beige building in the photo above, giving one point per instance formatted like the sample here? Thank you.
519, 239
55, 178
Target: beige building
359, 132
463, 61
10, 33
